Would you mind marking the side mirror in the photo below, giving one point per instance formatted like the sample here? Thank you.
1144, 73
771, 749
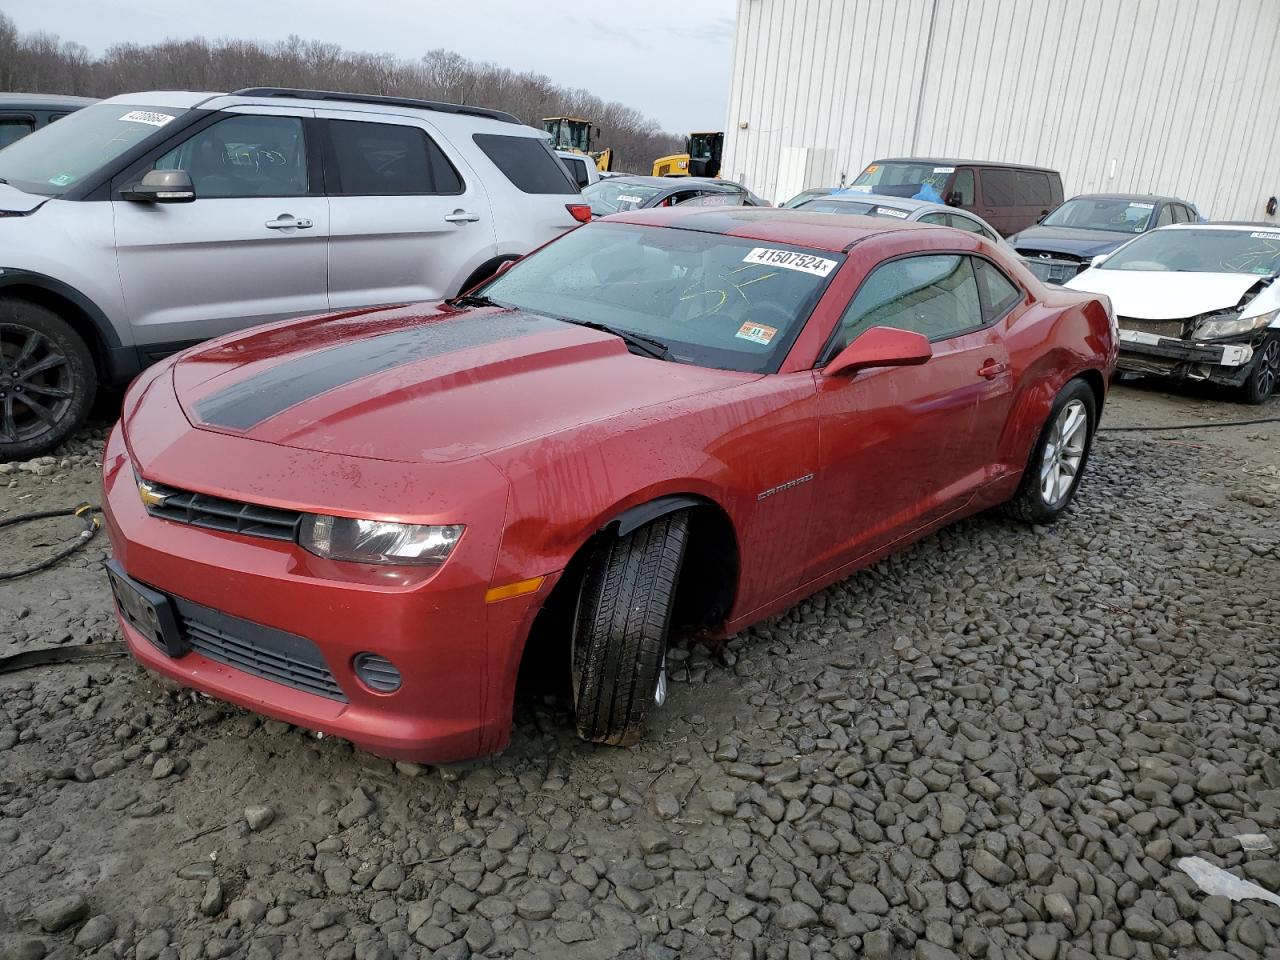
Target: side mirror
1099, 260
880, 347
955, 199
162, 186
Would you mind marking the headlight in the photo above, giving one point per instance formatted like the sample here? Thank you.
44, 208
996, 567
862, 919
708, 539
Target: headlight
377, 541
1232, 326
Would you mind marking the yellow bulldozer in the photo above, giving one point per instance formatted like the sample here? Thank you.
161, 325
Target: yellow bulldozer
701, 157
574, 134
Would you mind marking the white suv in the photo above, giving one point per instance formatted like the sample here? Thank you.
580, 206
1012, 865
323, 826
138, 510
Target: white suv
145, 223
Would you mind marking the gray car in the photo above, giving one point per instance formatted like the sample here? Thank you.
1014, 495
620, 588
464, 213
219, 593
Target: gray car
24, 113
137, 226
618, 194
902, 208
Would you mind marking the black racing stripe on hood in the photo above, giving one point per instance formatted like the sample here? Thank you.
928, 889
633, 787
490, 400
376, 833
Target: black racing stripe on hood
249, 402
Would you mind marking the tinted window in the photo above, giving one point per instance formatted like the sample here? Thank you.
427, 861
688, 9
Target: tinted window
385, 159
936, 295
12, 129
970, 225
244, 156
962, 188
999, 188
1180, 213
937, 219
1034, 189
527, 162
999, 293
1166, 216
577, 168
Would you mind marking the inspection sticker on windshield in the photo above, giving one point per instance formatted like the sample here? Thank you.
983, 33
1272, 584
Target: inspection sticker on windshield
757, 333
1265, 236
61, 180
148, 117
790, 260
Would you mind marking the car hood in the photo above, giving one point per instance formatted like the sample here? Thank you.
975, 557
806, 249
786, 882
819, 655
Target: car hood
1081, 243
1161, 295
13, 200
423, 384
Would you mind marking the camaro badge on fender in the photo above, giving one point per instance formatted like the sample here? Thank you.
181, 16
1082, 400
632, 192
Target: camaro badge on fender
764, 494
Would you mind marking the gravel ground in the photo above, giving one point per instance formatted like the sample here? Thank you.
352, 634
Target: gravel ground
996, 744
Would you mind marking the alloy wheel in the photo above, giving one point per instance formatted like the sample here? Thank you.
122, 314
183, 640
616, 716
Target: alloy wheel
1064, 452
1268, 367
36, 383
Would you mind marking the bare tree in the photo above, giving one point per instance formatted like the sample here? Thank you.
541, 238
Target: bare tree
41, 63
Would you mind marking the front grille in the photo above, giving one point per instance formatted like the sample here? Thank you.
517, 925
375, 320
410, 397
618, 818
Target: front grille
262, 651
215, 513
1161, 328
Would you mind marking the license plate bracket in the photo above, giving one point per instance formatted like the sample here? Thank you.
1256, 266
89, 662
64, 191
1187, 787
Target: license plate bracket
147, 611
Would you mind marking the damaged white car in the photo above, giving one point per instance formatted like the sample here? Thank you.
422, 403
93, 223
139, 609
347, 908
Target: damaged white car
1197, 301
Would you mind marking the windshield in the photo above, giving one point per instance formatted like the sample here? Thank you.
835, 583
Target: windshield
1118, 216
613, 196
853, 207
57, 157
715, 301
1201, 251
905, 178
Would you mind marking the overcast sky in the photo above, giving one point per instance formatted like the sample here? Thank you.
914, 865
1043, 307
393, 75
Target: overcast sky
671, 63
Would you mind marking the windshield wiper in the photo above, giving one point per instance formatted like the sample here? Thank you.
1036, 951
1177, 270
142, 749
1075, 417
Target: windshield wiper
473, 300
648, 345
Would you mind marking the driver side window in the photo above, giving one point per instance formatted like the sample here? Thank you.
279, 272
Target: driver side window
936, 295
244, 156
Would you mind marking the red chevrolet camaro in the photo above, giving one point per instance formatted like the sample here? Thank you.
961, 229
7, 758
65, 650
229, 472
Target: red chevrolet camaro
663, 421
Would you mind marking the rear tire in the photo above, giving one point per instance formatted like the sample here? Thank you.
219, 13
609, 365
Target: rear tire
47, 380
1059, 457
1262, 379
621, 627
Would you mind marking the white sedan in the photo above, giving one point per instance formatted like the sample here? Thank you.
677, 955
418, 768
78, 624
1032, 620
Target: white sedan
1197, 301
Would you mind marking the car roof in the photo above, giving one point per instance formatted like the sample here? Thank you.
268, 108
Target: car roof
771, 224
880, 200
42, 101
948, 161
1146, 197
1224, 225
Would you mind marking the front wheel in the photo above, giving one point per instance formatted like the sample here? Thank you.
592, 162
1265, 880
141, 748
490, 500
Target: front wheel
620, 630
47, 380
1261, 382
1059, 457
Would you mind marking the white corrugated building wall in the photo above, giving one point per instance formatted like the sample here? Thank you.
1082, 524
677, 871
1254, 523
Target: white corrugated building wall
1178, 97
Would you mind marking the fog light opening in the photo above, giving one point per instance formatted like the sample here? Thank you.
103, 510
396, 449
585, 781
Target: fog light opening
377, 673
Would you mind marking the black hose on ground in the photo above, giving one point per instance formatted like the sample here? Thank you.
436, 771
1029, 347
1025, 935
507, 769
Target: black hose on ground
52, 655
1195, 426
85, 511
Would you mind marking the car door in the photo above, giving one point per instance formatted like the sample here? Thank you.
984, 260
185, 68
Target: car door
901, 447
249, 249
409, 218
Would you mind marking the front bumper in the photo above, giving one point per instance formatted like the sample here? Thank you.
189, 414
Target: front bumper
1053, 270
1224, 363
454, 651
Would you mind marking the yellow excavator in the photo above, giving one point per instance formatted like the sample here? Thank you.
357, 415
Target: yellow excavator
701, 157
574, 134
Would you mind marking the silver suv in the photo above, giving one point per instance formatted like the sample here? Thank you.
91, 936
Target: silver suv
148, 222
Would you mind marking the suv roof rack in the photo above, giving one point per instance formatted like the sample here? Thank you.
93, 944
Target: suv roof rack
436, 105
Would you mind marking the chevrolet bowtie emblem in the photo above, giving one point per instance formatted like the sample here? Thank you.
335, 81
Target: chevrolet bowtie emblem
151, 497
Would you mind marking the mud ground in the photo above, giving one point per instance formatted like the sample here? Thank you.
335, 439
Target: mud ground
997, 744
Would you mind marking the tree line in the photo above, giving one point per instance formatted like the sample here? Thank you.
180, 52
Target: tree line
39, 62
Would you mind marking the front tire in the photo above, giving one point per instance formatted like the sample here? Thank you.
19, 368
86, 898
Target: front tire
47, 380
621, 627
1058, 458
1261, 382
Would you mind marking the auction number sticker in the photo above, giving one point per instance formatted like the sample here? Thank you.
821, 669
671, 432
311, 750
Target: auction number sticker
944, 169
1265, 236
789, 260
1143, 206
148, 117
757, 333
890, 212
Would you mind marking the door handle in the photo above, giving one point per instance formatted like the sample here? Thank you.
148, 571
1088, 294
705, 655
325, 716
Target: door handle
287, 221
462, 216
991, 369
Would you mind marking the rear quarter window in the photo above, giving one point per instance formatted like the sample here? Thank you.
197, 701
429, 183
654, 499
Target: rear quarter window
527, 162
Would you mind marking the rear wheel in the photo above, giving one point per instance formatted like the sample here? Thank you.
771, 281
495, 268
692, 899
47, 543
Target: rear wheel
47, 380
1262, 379
1059, 457
621, 627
